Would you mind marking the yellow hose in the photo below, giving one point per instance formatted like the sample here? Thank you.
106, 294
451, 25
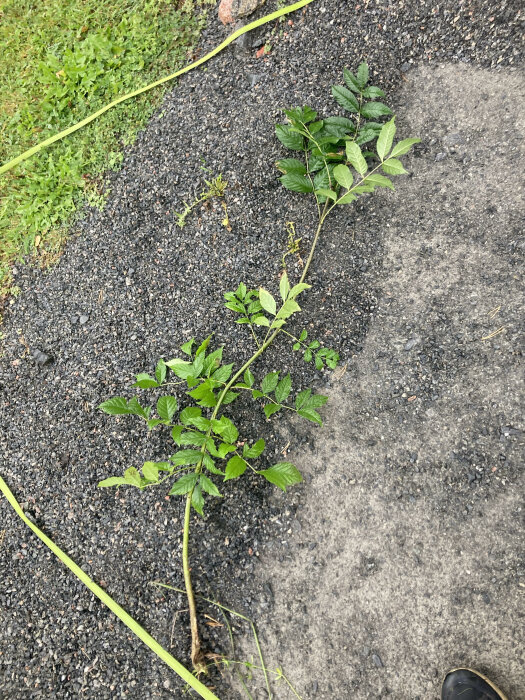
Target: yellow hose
70, 130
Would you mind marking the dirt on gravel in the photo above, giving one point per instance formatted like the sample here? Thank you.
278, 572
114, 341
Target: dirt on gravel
405, 557
399, 556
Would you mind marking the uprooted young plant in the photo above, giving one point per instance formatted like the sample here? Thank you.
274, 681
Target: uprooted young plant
336, 171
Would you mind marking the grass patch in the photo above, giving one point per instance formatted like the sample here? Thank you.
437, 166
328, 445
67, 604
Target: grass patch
61, 60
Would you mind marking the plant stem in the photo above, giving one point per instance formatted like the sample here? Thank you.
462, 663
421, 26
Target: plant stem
197, 657
314, 243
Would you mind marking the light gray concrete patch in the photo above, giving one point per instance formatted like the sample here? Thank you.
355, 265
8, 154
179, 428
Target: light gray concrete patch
406, 555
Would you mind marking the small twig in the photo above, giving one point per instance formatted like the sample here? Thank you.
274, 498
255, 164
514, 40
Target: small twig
494, 333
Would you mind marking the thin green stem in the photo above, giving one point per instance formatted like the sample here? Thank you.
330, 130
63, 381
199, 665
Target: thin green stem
309, 175
254, 336
324, 214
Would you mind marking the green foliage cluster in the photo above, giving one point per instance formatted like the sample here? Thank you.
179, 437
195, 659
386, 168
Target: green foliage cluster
335, 170
211, 442
331, 146
60, 61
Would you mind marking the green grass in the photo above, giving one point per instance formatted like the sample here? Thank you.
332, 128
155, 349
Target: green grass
61, 60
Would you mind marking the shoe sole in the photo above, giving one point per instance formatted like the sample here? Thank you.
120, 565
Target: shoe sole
481, 675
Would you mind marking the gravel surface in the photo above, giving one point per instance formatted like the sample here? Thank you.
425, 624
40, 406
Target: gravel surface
132, 286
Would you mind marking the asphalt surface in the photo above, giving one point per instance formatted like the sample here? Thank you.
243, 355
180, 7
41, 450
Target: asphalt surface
132, 286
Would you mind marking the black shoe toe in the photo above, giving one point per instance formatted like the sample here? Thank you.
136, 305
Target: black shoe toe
466, 684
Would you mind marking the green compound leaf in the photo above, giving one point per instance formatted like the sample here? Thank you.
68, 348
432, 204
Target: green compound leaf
283, 388
191, 437
241, 290
343, 176
255, 450
176, 433
296, 182
254, 306
322, 180
282, 475
372, 110
223, 449
208, 486
355, 157
166, 407
260, 321
269, 382
229, 397
365, 136
203, 395
315, 162
236, 306
290, 139
212, 361
393, 166
345, 98
316, 400
386, 138
403, 147
210, 466
136, 409
291, 165
235, 467
278, 323
362, 75
267, 301
198, 364
202, 347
